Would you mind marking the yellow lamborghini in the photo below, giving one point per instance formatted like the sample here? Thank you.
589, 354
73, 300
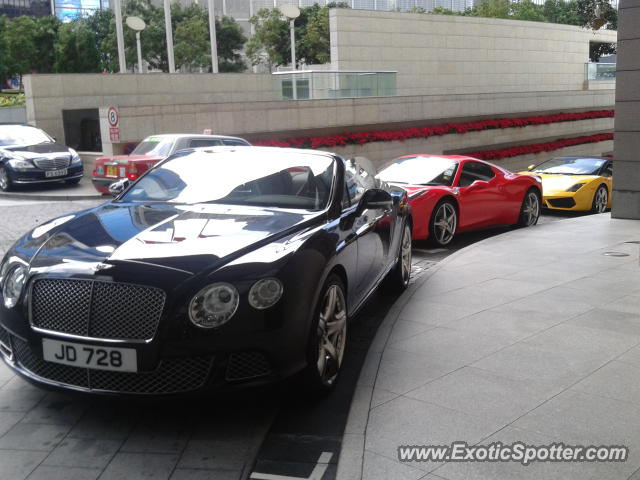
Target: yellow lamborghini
575, 183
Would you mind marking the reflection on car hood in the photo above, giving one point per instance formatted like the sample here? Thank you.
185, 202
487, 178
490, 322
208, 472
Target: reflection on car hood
189, 238
42, 150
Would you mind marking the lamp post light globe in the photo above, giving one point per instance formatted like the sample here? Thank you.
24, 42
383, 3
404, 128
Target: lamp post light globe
137, 24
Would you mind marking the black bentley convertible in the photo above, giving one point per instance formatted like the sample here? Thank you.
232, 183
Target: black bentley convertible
219, 267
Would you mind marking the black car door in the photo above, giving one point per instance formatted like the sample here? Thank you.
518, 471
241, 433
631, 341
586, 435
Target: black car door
371, 227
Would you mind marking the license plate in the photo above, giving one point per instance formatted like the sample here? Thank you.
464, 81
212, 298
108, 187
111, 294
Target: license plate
55, 173
112, 171
90, 356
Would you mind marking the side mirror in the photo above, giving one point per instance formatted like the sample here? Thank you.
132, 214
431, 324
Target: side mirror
374, 198
530, 167
118, 187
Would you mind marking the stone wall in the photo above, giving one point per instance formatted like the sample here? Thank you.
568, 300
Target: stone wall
626, 183
437, 54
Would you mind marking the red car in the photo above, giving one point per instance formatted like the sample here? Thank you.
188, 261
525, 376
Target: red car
149, 152
451, 194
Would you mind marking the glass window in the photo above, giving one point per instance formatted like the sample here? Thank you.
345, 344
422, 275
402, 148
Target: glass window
235, 143
420, 170
259, 178
359, 177
155, 146
571, 166
472, 171
22, 135
607, 171
203, 142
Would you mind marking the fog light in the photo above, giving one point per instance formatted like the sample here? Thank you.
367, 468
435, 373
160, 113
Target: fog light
214, 305
265, 293
13, 284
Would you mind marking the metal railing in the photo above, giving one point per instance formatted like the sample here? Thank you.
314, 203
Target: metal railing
324, 84
596, 72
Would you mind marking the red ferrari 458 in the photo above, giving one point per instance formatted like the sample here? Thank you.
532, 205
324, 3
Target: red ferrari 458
451, 194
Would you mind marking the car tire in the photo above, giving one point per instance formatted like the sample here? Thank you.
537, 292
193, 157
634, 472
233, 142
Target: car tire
5, 180
530, 209
398, 278
443, 223
600, 200
323, 367
74, 181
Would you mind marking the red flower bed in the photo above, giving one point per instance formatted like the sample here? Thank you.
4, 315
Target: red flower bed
539, 147
361, 138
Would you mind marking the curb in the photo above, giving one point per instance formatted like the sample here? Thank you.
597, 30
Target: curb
47, 197
351, 458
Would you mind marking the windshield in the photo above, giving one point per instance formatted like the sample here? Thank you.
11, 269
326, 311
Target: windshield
272, 179
420, 171
571, 166
22, 135
155, 147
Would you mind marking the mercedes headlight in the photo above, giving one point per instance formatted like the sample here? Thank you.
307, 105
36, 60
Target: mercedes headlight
20, 164
13, 285
576, 187
75, 158
214, 305
265, 293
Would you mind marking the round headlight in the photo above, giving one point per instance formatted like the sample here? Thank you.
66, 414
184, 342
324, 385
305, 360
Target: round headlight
13, 284
265, 293
214, 305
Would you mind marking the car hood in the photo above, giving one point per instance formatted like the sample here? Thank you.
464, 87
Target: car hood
560, 183
42, 150
190, 238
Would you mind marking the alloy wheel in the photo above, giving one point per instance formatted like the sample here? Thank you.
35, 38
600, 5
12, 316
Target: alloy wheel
601, 200
405, 255
531, 209
332, 334
445, 223
4, 179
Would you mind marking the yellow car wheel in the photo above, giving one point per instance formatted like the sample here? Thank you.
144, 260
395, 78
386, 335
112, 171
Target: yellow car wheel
600, 200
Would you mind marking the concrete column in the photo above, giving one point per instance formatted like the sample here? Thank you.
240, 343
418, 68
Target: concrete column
626, 176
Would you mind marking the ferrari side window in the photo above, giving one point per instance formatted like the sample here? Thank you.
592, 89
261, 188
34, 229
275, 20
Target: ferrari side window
472, 171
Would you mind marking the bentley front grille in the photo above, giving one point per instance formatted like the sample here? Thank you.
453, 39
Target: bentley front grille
52, 163
246, 365
173, 375
96, 309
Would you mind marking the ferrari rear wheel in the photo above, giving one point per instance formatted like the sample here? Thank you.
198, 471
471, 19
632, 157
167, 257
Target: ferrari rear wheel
443, 224
600, 200
530, 210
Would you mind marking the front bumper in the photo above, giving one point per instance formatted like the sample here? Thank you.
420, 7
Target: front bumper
171, 376
36, 175
570, 201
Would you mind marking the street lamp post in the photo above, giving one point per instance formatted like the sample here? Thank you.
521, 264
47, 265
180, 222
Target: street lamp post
212, 38
137, 24
292, 12
169, 33
119, 36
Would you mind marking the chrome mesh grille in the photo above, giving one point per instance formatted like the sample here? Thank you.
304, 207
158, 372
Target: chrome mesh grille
66, 374
96, 309
174, 375
245, 365
52, 163
4, 337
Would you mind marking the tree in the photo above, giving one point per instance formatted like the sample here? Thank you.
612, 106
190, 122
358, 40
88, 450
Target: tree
21, 48
5, 68
45, 36
192, 49
559, 11
527, 10
491, 9
230, 41
76, 50
270, 44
